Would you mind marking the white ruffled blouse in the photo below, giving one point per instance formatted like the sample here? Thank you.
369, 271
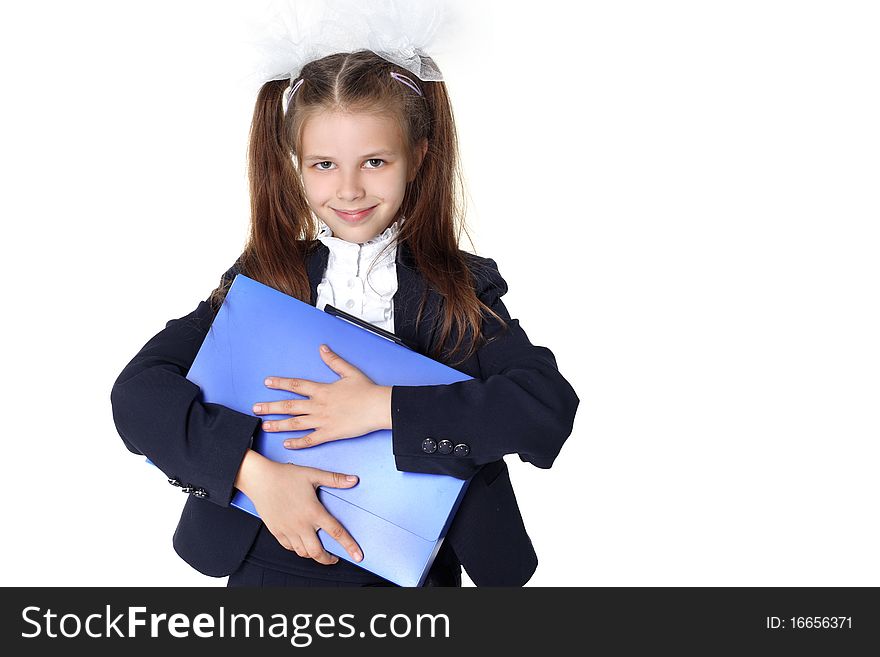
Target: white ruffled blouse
352, 285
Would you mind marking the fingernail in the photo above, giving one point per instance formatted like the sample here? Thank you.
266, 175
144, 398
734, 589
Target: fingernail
357, 555
268, 382
287, 443
267, 425
325, 348
350, 478
257, 408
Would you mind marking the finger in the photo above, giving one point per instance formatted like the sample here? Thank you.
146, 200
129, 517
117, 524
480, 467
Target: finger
339, 534
290, 543
336, 363
295, 423
284, 407
333, 479
302, 387
309, 440
316, 551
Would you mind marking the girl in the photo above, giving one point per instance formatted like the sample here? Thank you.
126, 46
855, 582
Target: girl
353, 167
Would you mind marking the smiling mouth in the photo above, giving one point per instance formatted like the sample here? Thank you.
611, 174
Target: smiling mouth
354, 217
355, 211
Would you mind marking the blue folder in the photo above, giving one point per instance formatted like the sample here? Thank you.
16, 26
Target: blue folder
399, 519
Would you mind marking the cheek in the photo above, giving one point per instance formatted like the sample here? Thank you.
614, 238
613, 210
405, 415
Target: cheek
315, 188
395, 185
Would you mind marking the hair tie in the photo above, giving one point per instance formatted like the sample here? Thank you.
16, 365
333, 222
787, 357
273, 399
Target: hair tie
288, 94
407, 81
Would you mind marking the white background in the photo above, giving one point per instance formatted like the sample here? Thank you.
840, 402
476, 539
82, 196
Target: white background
682, 196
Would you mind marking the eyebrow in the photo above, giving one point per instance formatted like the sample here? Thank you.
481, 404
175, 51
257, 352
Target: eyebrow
363, 157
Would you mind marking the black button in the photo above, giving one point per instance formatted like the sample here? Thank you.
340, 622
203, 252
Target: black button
462, 449
200, 492
429, 446
187, 488
174, 481
444, 446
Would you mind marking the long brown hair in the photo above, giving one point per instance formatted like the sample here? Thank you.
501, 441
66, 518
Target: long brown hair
282, 228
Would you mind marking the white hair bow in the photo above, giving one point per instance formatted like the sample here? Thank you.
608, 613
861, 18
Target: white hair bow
406, 33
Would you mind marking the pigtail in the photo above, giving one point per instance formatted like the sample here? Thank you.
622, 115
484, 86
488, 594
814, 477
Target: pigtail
436, 197
281, 223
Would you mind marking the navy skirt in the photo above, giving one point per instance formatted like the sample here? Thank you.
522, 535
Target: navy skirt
269, 564
250, 574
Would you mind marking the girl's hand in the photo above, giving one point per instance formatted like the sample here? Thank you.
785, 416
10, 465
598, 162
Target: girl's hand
347, 408
285, 496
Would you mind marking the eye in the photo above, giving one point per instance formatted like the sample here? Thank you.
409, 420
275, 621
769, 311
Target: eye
376, 159
320, 168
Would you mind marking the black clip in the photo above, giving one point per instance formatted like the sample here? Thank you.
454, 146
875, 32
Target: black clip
382, 333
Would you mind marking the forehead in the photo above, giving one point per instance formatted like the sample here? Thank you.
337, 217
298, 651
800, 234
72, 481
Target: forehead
340, 132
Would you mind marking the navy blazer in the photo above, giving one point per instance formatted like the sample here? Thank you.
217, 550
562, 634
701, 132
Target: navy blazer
517, 403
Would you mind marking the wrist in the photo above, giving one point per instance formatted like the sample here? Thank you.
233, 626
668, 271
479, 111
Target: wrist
252, 471
383, 407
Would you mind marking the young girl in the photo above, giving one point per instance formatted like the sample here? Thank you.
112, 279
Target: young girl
353, 167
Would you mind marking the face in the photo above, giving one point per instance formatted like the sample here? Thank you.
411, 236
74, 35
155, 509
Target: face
355, 171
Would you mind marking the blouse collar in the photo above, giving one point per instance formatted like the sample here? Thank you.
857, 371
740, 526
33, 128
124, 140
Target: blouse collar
325, 234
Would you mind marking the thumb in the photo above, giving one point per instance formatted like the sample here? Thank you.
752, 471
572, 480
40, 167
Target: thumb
334, 479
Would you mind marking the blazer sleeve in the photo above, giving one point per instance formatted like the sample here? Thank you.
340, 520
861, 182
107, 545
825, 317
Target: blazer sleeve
158, 412
520, 404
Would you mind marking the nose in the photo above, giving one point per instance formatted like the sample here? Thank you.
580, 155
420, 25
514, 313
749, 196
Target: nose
350, 186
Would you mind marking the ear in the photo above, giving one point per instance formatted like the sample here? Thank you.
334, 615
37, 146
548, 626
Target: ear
421, 151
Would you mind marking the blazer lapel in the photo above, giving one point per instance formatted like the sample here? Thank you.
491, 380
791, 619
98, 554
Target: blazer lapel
316, 264
410, 286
